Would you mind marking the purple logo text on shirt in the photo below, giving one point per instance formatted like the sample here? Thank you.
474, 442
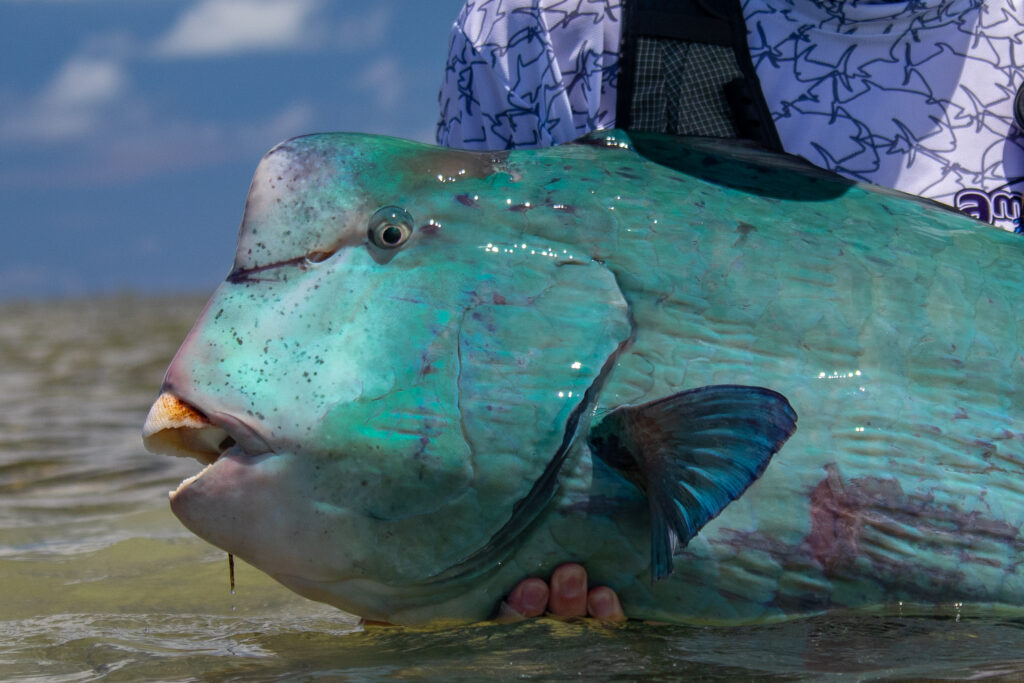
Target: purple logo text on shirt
995, 207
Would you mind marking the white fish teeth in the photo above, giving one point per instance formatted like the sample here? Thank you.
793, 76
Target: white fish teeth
188, 480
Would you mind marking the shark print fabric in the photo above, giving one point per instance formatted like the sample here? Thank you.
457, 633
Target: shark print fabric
916, 95
912, 95
529, 74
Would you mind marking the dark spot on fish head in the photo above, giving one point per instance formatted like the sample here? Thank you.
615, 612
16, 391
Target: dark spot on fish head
466, 200
499, 300
520, 208
745, 228
430, 229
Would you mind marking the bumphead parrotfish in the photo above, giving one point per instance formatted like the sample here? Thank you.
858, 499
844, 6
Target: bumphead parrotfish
431, 373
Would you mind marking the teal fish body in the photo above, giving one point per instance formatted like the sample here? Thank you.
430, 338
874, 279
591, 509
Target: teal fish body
733, 386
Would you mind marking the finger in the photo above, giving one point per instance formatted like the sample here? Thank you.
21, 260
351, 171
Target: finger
529, 598
603, 604
568, 591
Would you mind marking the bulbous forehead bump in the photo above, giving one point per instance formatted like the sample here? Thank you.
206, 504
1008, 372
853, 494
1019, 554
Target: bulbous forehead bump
316, 193
302, 198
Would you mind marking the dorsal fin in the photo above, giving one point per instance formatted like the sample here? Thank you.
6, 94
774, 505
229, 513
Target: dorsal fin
692, 454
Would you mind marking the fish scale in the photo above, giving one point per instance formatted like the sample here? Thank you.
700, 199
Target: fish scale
525, 377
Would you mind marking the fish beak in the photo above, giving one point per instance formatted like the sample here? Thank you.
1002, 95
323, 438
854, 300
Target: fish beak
173, 427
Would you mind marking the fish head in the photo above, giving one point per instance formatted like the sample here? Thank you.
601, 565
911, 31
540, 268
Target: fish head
393, 360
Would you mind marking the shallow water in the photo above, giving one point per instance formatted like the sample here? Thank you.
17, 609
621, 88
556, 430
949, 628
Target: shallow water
99, 581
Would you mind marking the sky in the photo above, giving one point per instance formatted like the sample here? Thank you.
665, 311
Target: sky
129, 129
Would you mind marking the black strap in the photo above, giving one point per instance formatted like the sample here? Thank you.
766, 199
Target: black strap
627, 67
690, 28
697, 21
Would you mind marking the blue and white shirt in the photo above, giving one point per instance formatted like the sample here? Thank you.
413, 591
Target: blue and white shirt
529, 74
913, 95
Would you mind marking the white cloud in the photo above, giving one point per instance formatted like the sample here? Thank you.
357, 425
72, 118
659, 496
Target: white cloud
84, 82
149, 146
220, 27
71, 105
383, 81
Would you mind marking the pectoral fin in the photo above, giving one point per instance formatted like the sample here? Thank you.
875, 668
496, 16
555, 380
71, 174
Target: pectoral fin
693, 453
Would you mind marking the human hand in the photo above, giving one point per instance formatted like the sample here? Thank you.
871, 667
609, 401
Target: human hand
566, 595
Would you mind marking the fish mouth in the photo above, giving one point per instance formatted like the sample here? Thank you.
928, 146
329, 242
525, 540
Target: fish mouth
176, 427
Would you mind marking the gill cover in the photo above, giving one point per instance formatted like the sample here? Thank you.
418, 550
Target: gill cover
528, 360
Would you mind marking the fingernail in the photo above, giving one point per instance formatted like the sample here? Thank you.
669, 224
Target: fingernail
534, 597
600, 605
572, 586
603, 604
571, 581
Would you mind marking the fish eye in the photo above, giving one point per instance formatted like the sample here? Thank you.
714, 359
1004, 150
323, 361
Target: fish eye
390, 227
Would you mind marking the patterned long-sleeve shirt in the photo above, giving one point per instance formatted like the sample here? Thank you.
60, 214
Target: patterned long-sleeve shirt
912, 95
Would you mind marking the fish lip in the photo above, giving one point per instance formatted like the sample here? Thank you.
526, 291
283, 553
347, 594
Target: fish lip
242, 456
249, 441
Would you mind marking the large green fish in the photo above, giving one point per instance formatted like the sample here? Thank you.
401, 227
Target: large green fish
432, 373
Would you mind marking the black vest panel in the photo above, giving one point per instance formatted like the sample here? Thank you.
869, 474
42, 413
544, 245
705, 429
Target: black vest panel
685, 69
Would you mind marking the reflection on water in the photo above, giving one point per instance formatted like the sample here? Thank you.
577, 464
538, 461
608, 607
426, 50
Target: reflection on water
98, 580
